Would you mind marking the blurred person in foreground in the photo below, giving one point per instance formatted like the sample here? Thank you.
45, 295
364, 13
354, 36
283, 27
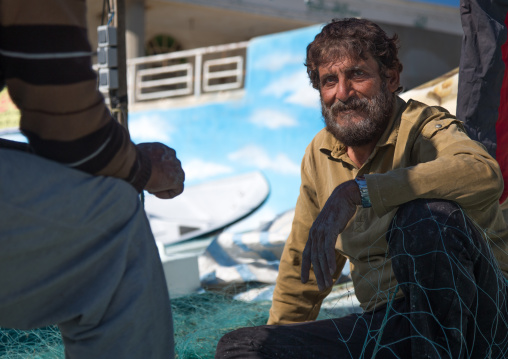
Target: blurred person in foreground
400, 190
76, 247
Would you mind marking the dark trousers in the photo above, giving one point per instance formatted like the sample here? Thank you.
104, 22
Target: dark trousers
455, 303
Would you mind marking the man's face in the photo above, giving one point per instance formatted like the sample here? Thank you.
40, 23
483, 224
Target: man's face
356, 101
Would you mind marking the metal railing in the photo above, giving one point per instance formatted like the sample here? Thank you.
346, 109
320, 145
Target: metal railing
186, 73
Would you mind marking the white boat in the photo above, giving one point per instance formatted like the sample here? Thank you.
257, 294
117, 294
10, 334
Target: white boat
206, 208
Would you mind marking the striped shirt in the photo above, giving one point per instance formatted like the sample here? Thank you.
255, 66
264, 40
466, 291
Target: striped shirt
45, 60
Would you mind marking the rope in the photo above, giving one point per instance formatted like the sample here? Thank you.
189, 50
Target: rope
385, 320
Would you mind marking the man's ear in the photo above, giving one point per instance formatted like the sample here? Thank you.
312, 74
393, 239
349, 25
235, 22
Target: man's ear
392, 80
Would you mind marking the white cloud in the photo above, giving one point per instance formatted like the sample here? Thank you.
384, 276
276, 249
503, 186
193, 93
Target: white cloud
258, 157
304, 96
276, 61
150, 129
272, 119
198, 169
295, 88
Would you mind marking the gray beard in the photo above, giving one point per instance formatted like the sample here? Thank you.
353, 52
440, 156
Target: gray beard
378, 110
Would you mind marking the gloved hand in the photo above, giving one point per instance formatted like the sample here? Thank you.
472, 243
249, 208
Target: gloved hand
167, 177
331, 221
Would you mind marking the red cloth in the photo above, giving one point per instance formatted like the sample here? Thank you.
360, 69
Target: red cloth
502, 124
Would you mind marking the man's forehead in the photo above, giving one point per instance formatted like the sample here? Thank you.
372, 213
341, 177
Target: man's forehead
344, 63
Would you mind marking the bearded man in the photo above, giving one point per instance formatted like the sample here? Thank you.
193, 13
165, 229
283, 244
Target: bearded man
401, 191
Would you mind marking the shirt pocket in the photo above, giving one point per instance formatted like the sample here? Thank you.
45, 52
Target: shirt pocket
361, 219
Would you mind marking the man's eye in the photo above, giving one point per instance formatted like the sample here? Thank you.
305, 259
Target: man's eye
359, 73
329, 80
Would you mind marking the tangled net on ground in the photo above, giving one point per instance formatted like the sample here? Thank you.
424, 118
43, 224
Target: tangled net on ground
200, 320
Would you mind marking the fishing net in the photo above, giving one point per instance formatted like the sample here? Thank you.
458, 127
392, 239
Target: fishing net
41, 343
455, 302
200, 320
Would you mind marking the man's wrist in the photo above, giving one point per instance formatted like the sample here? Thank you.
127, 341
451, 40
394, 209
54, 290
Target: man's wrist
364, 192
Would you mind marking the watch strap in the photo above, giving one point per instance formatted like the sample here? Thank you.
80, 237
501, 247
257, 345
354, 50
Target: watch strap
364, 192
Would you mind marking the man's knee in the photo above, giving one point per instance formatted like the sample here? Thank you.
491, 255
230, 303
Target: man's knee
424, 226
419, 211
238, 343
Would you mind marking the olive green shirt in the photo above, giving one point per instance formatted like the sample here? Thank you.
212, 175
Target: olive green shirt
423, 153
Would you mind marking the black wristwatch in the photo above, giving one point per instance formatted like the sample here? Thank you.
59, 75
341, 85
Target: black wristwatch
364, 192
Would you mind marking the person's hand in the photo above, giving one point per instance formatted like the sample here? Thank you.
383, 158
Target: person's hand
331, 221
166, 180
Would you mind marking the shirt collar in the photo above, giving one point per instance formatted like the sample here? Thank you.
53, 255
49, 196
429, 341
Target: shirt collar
332, 147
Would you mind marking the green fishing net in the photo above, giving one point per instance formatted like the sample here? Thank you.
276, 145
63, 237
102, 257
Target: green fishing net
200, 320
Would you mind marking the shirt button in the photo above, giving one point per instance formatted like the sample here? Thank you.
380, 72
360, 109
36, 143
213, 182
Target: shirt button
439, 126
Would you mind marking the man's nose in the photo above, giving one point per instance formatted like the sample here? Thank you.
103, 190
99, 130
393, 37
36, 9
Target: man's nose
344, 91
